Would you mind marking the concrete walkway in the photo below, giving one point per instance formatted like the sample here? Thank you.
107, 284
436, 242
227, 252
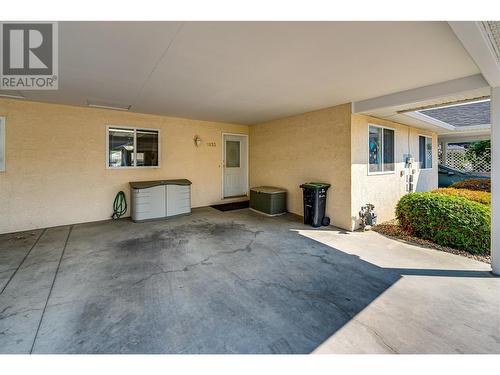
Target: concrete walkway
238, 282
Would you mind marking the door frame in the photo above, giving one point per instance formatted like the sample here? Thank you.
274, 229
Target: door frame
223, 149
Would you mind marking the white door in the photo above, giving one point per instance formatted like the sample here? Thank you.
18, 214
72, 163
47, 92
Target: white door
234, 165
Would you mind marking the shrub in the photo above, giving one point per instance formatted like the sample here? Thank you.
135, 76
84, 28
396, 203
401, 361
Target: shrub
480, 149
447, 220
474, 195
473, 184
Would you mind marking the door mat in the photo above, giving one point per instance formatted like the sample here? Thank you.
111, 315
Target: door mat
231, 206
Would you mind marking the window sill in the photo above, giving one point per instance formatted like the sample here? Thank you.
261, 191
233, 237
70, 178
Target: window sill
381, 173
145, 167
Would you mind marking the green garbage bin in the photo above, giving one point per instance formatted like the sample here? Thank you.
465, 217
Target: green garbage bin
314, 202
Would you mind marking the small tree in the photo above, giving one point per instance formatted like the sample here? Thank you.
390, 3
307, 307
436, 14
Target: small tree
479, 154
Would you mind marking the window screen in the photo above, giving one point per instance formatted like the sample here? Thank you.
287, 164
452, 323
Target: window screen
147, 148
388, 146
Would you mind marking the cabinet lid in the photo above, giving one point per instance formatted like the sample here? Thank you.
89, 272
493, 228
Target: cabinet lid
148, 184
268, 190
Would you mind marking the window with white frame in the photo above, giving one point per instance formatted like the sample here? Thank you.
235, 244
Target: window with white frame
425, 152
2, 144
132, 147
380, 149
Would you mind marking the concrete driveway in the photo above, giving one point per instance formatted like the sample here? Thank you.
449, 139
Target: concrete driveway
238, 282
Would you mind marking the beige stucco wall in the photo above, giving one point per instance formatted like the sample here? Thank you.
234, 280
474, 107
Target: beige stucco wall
385, 190
313, 146
56, 162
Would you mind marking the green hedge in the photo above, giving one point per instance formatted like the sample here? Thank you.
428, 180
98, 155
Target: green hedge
447, 220
478, 184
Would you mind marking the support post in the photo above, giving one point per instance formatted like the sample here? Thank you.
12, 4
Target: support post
444, 150
495, 180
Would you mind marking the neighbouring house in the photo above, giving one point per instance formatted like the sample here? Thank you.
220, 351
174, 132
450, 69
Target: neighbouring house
464, 145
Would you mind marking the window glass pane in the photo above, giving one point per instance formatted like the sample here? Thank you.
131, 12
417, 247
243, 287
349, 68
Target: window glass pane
421, 151
147, 148
428, 152
388, 150
232, 154
375, 149
121, 147
425, 152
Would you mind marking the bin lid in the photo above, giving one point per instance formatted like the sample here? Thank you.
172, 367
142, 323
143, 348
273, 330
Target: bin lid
149, 184
315, 185
268, 189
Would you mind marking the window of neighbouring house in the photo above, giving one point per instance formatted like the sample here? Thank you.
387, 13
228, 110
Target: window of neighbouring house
425, 152
2, 144
147, 148
380, 149
129, 147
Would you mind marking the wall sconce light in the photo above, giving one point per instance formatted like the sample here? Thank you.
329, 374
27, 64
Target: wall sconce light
197, 141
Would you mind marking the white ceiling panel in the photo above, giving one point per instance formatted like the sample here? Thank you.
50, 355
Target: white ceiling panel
249, 72
106, 61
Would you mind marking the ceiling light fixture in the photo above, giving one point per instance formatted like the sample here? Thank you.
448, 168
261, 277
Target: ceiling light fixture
116, 107
12, 96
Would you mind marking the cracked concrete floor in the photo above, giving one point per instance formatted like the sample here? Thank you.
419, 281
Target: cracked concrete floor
238, 282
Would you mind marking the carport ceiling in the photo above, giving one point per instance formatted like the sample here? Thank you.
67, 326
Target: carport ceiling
249, 72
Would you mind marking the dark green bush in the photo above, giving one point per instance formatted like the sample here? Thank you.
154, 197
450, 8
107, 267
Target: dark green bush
447, 220
478, 184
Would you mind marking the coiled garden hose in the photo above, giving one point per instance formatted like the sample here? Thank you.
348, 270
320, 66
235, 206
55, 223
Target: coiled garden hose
119, 206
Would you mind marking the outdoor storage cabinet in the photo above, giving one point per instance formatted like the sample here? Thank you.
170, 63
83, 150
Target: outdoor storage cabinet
160, 199
268, 200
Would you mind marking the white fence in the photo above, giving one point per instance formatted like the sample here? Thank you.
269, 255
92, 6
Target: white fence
466, 161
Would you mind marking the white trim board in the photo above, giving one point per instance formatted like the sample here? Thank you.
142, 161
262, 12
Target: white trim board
2, 144
458, 138
421, 94
495, 180
430, 120
475, 39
